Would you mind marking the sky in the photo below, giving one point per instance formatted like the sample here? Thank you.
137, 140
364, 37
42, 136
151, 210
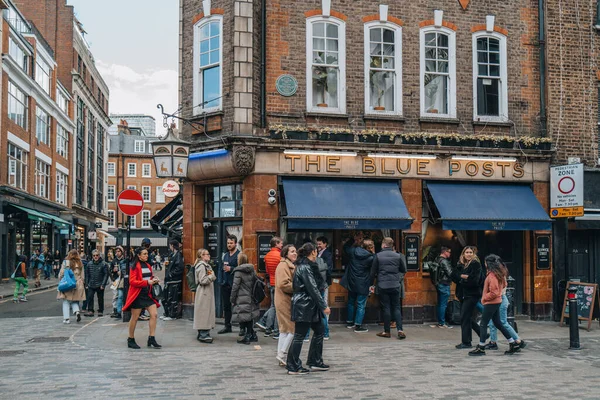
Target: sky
135, 45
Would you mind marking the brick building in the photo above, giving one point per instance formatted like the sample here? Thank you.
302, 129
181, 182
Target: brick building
419, 122
131, 166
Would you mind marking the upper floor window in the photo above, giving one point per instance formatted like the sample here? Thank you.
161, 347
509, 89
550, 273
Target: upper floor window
42, 74
208, 55
146, 170
42, 179
17, 166
140, 146
383, 68
160, 195
17, 53
17, 105
111, 218
326, 65
110, 169
62, 182
42, 126
62, 141
490, 88
146, 193
145, 219
110, 194
438, 72
131, 169
62, 101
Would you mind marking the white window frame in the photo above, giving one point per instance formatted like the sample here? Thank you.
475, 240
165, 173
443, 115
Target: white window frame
451, 71
18, 54
62, 184
503, 106
132, 187
62, 141
149, 197
111, 218
145, 216
139, 146
133, 221
197, 79
14, 104
108, 193
42, 182
129, 174
160, 195
18, 166
43, 76
398, 67
147, 167
108, 169
43, 124
341, 109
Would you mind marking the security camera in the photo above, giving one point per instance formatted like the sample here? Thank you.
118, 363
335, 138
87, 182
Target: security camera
272, 200
206, 225
272, 193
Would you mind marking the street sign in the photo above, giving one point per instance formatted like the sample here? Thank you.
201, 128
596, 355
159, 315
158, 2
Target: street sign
566, 191
130, 202
170, 188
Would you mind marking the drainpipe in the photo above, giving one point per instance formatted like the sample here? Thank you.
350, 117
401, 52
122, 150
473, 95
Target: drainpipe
263, 66
542, 42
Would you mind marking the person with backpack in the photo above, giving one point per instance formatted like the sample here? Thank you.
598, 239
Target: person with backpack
204, 303
72, 297
245, 309
20, 277
468, 276
439, 272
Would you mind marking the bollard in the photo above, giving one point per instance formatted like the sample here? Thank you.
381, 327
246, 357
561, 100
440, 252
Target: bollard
573, 319
510, 295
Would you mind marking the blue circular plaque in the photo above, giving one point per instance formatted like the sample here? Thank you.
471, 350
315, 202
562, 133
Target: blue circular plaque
286, 85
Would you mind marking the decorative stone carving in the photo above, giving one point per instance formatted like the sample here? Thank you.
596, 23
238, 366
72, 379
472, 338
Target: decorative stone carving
243, 159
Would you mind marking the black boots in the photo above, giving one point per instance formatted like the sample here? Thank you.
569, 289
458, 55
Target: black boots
152, 342
245, 339
249, 338
242, 332
226, 329
253, 337
513, 348
132, 344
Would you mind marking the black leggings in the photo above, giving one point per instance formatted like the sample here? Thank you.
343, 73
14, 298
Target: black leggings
492, 312
248, 326
467, 308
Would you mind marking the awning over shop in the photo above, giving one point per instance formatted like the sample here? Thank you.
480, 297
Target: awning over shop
344, 204
481, 206
169, 220
43, 217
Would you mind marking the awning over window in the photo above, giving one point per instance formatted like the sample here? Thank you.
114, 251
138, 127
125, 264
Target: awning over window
43, 217
481, 206
169, 220
344, 204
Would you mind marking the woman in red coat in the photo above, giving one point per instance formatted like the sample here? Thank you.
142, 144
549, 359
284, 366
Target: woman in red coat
139, 297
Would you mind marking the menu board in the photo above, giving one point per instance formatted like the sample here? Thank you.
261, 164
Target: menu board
264, 246
212, 241
412, 250
543, 252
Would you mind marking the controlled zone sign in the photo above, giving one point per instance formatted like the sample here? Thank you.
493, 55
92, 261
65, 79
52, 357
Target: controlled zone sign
566, 191
130, 202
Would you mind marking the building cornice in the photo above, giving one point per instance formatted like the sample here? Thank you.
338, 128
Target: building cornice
89, 95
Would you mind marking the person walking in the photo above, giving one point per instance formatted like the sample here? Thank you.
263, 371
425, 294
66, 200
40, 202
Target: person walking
120, 269
139, 296
324, 253
308, 311
71, 298
96, 278
21, 280
358, 280
268, 322
388, 267
229, 261
37, 263
56, 263
204, 303
442, 286
173, 283
48, 260
157, 261
284, 275
469, 281
245, 310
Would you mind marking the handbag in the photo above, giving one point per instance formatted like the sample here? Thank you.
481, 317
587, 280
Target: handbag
157, 292
67, 282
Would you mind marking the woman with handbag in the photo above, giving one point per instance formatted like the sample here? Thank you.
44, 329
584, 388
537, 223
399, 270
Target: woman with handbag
20, 277
140, 296
284, 275
72, 297
204, 303
469, 277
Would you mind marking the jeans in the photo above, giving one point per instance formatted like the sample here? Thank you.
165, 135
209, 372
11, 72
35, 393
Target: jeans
315, 352
90, 299
466, 319
47, 271
226, 300
20, 282
67, 305
491, 312
443, 293
361, 302
504, 321
120, 295
390, 308
283, 345
325, 295
269, 319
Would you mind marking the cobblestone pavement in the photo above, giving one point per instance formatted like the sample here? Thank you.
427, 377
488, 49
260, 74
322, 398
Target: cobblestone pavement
91, 361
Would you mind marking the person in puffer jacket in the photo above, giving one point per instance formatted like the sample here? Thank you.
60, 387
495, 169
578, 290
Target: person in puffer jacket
358, 280
96, 278
245, 310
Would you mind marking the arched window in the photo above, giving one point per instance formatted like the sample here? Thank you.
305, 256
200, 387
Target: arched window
208, 72
490, 89
438, 72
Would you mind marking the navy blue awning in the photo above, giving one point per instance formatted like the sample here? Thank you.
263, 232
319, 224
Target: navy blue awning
482, 206
344, 204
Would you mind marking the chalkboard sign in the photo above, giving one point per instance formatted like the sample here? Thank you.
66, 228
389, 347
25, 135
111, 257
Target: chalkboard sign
543, 252
264, 246
586, 300
212, 241
412, 250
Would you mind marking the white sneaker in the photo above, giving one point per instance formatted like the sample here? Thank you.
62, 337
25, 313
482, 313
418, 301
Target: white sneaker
23, 298
280, 359
167, 319
66, 321
161, 317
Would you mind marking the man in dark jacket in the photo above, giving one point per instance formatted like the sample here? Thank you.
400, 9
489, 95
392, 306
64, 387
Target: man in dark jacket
173, 283
443, 286
96, 278
324, 254
358, 280
119, 270
389, 267
229, 260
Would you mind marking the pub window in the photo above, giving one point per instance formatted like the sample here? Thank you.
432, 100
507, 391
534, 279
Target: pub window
208, 54
438, 72
224, 201
490, 91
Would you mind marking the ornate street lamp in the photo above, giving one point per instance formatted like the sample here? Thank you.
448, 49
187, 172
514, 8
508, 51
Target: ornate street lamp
170, 155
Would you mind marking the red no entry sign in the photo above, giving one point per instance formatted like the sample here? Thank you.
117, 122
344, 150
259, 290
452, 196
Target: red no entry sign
130, 202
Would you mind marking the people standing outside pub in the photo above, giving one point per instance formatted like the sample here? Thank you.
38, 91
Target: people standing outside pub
308, 310
72, 297
284, 276
268, 322
204, 303
37, 263
229, 260
21, 280
388, 268
442, 285
173, 283
468, 276
324, 253
96, 278
139, 296
358, 280
245, 310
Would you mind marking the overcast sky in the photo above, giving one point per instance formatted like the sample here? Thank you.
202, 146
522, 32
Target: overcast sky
135, 45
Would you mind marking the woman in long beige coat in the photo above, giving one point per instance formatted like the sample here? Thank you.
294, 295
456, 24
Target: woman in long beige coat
204, 304
284, 275
72, 298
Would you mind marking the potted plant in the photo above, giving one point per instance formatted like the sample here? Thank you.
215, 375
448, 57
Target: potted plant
412, 139
380, 81
336, 134
320, 78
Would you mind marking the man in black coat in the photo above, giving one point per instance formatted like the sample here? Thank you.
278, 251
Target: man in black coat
357, 280
173, 283
96, 278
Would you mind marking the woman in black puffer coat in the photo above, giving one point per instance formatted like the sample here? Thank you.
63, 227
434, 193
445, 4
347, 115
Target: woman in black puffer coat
245, 310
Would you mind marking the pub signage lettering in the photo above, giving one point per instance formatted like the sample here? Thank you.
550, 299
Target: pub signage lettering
543, 252
411, 251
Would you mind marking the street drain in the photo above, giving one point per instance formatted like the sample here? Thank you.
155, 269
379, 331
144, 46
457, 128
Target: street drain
10, 353
48, 339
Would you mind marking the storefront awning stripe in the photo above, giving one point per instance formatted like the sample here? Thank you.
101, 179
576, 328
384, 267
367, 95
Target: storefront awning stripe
35, 215
344, 204
481, 206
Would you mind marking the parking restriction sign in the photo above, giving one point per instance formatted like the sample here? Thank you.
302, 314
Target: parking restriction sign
566, 191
